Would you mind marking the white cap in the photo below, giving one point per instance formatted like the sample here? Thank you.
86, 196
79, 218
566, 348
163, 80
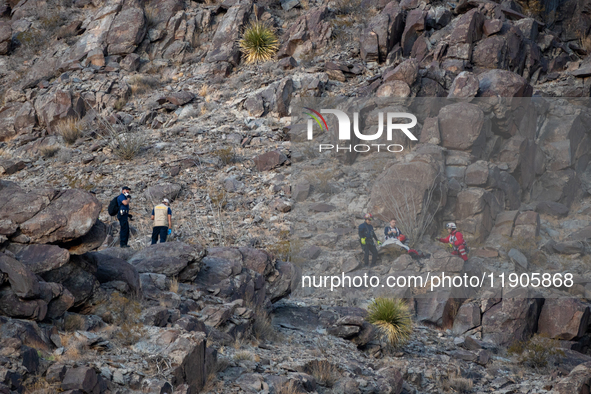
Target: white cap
166, 200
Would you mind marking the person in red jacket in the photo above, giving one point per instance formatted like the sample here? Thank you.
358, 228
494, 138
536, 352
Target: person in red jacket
456, 241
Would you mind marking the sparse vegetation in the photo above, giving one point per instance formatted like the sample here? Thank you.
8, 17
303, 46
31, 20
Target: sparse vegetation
325, 373
225, 155
457, 384
290, 388
392, 317
243, 355
141, 84
538, 352
48, 151
119, 104
73, 322
70, 129
125, 313
259, 42
262, 327
346, 7
174, 285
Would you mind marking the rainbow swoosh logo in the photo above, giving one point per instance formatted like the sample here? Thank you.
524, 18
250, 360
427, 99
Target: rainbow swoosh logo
316, 115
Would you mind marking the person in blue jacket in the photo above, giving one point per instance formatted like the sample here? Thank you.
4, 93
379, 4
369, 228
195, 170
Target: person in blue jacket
123, 216
367, 236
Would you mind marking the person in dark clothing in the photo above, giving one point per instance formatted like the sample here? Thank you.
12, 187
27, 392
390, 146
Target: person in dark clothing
367, 237
162, 217
124, 216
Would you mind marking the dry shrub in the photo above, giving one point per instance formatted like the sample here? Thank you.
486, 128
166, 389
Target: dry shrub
38, 385
119, 104
393, 319
259, 42
456, 383
203, 90
325, 373
244, 355
225, 155
212, 382
263, 326
290, 387
537, 353
345, 7
321, 182
48, 151
73, 322
174, 285
126, 314
70, 130
141, 84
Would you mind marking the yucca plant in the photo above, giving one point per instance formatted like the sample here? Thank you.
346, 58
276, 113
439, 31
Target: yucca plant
392, 317
259, 42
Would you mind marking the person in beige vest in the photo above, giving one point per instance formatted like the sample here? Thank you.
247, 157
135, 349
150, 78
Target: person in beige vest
162, 217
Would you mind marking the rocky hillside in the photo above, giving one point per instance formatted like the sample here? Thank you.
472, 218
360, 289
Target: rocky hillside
154, 95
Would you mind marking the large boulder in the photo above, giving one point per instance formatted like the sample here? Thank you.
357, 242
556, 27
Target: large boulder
156, 193
224, 44
409, 183
40, 258
114, 269
513, 319
563, 318
503, 83
461, 128
415, 25
68, 216
383, 32
476, 209
186, 352
56, 106
92, 240
578, 380
308, 32
169, 258
126, 31
78, 277
22, 281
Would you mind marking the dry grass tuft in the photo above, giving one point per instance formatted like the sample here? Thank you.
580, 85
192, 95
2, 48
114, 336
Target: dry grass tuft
141, 84
392, 317
226, 155
259, 42
537, 353
262, 327
203, 90
244, 355
70, 130
457, 384
48, 151
126, 315
174, 285
73, 322
325, 373
290, 387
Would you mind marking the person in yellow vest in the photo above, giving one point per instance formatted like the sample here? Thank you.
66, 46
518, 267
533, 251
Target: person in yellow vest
162, 217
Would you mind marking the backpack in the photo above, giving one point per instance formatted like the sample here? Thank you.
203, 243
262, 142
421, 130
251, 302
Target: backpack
113, 207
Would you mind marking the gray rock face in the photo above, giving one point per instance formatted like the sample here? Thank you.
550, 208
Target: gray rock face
41, 258
112, 268
127, 30
169, 258
156, 193
225, 40
513, 319
563, 318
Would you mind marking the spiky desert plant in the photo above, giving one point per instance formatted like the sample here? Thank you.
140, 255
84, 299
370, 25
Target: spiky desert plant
259, 42
392, 317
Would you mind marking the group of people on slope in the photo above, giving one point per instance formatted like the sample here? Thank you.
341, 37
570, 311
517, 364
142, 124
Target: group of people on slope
392, 234
161, 217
